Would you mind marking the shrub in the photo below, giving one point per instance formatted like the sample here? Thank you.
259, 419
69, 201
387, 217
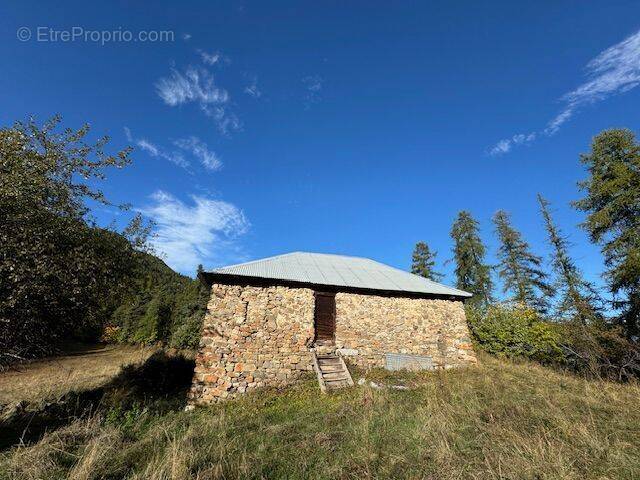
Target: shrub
600, 351
515, 331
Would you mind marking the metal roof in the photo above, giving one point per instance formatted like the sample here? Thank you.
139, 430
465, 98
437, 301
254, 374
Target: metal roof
337, 271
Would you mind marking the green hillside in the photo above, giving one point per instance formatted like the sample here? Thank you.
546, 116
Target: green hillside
161, 306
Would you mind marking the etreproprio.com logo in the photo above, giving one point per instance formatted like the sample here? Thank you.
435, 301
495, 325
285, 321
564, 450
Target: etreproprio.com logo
102, 37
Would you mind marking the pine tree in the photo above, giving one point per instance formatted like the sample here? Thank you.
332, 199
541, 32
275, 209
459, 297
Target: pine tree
472, 273
519, 269
612, 202
423, 262
579, 297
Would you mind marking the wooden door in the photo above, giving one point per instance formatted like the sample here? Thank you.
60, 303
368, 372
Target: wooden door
325, 317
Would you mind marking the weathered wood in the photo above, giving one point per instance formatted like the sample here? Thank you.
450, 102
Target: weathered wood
325, 317
331, 371
316, 367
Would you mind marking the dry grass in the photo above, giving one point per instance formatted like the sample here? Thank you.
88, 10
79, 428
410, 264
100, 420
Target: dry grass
501, 420
51, 378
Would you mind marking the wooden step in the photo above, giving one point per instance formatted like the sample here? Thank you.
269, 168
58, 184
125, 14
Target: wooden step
335, 376
331, 368
331, 371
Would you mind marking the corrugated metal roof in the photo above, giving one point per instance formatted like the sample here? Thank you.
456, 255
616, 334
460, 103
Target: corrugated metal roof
337, 271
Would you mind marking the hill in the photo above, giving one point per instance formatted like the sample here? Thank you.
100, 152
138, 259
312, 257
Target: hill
501, 419
161, 306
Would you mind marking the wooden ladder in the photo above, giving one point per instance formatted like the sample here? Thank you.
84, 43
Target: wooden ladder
331, 371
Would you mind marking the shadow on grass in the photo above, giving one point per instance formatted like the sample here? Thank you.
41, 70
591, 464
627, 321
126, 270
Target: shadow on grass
160, 384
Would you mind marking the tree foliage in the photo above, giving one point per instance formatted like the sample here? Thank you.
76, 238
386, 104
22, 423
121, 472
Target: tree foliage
423, 262
515, 331
612, 204
472, 273
520, 270
59, 272
161, 306
579, 299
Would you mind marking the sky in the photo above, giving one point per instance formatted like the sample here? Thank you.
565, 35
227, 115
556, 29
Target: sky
355, 128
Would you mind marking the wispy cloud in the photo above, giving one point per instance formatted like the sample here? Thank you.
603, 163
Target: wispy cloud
197, 85
252, 89
615, 70
203, 231
313, 85
210, 58
505, 145
208, 158
155, 151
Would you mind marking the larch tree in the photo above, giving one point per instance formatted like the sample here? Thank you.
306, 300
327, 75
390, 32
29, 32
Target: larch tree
519, 269
472, 273
423, 262
612, 204
579, 299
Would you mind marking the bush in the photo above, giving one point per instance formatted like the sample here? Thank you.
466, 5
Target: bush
515, 331
600, 351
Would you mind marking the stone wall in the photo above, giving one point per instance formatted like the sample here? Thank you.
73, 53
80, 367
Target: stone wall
252, 337
369, 326
259, 336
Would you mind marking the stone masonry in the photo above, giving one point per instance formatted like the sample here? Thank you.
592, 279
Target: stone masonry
261, 336
252, 337
369, 326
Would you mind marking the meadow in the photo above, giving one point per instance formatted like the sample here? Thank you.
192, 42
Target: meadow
499, 420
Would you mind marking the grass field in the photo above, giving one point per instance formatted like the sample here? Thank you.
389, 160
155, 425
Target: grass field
83, 368
497, 420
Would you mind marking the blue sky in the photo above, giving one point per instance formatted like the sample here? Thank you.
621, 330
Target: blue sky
268, 127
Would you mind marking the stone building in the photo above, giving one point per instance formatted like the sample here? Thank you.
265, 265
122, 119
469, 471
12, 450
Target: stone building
266, 318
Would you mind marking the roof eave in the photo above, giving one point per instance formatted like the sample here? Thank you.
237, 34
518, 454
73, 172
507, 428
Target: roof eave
209, 278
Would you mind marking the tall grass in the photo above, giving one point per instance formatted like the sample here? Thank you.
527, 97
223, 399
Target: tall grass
499, 420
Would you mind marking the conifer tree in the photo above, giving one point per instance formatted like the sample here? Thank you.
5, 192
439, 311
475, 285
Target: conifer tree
612, 204
519, 269
578, 297
423, 262
472, 273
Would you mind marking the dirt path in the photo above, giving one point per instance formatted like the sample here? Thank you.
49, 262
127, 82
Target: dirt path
82, 369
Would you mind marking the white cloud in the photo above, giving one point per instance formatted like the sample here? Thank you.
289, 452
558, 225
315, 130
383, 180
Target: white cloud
200, 150
313, 85
212, 58
204, 231
197, 85
252, 89
226, 120
615, 70
505, 145
155, 151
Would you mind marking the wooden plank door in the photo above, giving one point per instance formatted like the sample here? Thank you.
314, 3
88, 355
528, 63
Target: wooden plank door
325, 317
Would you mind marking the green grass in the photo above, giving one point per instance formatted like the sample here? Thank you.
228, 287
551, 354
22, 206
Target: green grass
498, 420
